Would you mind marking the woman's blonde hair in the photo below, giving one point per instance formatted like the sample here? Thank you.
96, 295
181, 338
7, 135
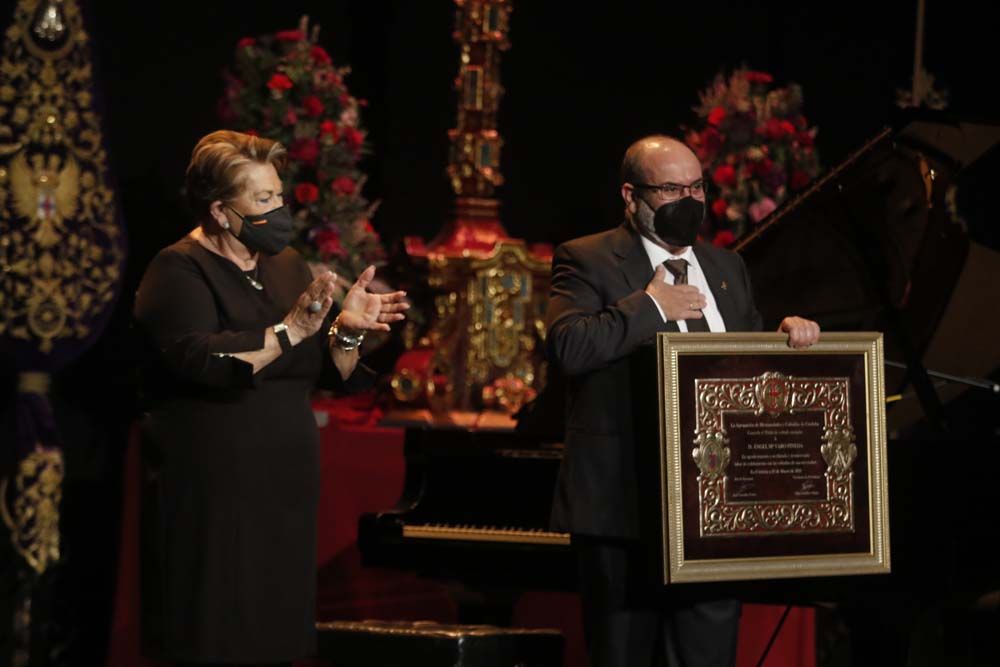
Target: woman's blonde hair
214, 172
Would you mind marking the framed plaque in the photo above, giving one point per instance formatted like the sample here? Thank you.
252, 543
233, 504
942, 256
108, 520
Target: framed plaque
772, 459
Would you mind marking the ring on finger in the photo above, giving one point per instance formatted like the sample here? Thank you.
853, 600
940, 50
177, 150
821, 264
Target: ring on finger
315, 306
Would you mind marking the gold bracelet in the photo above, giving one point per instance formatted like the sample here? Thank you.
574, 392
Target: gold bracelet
344, 340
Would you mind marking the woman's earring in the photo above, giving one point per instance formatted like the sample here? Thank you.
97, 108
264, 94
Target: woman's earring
224, 224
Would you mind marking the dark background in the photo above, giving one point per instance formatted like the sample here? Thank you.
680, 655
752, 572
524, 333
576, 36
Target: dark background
582, 82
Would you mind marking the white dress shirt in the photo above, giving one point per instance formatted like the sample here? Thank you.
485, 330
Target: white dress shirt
695, 277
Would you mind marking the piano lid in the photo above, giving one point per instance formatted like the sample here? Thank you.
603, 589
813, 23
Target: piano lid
947, 137
871, 244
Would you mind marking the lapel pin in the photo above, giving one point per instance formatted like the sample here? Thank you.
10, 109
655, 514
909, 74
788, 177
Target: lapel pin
724, 285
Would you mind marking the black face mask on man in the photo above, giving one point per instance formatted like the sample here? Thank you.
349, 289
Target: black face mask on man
675, 223
269, 233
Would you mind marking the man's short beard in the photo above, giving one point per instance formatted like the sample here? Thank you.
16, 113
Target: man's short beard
642, 221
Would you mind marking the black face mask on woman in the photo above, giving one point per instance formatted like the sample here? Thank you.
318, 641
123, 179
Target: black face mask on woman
676, 223
269, 233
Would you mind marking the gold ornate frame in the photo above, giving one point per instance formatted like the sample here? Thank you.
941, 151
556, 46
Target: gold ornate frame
720, 517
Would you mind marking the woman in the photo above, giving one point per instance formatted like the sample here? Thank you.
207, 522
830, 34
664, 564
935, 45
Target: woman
239, 333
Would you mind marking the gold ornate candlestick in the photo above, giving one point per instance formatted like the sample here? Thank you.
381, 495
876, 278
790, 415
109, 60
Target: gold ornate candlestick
482, 349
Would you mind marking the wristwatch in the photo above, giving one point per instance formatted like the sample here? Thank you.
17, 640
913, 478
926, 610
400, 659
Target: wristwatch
281, 331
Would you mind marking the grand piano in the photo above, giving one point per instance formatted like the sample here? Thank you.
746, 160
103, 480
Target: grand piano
875, 244
475, 510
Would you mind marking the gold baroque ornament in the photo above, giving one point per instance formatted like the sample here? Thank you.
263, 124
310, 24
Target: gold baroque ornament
775, 394
61, 251
502, 304
33, 515
484, 345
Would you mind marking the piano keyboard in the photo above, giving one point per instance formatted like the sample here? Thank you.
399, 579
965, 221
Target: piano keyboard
471, 533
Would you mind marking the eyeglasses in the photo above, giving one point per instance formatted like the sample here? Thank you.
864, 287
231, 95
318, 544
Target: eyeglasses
674, 191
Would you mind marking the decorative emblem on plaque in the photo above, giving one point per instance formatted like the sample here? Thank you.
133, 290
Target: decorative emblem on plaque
772, 393
839, 450
711, 454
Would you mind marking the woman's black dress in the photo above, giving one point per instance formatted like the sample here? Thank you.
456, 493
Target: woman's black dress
231, 462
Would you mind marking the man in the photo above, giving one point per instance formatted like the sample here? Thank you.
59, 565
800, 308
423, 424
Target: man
612, 292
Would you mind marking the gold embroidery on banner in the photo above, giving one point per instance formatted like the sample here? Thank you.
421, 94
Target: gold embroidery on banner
775, 394
60, 249
33, 518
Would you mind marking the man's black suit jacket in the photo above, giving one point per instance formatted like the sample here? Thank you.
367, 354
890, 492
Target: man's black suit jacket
598, 316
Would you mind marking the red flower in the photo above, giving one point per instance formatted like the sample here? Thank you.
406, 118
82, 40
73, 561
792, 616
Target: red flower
724, 175
724, 238
329, 128
354, 138
759, 77
313, 106
716, 116
761, 167
343, 185
289, 36
328, 243
771, 129
306, 193
320, 56
711, 140
719, 207
304, 150
799, 180
279, 82
805, 139
326, 78
290, 118
775, 129
246, 43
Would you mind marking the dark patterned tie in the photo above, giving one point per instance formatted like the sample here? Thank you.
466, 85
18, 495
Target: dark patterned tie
679, 267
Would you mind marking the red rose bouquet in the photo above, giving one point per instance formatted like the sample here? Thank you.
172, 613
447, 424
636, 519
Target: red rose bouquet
285, 87
755, 147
